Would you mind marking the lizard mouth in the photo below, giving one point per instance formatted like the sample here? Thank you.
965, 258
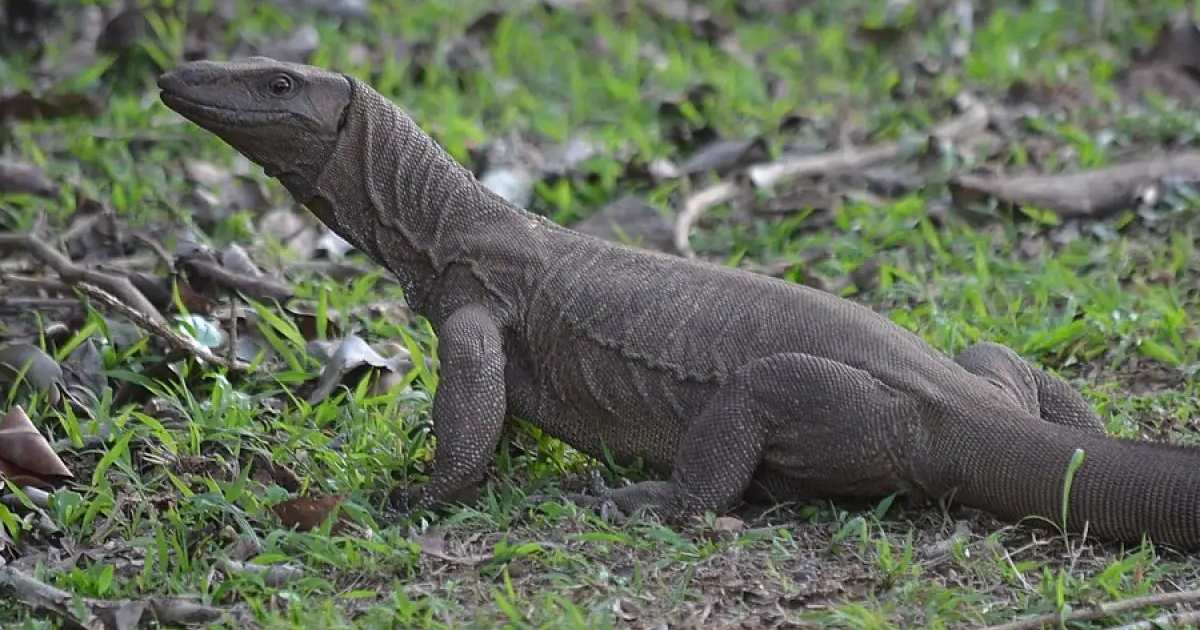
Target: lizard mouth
208, 114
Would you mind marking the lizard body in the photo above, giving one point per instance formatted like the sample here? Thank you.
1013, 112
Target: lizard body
732, 384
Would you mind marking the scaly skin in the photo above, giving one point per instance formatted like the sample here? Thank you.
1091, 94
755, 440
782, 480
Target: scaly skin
736, 385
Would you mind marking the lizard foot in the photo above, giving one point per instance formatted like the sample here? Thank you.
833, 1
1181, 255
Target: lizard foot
399, 504
596, 499
604, 507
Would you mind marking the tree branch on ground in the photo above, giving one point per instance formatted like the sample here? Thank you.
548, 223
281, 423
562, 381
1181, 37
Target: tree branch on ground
1100, 611
972, 120
1087, 194
76, 274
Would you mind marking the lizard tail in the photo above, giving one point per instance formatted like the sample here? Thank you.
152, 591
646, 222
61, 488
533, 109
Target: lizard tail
1122, 489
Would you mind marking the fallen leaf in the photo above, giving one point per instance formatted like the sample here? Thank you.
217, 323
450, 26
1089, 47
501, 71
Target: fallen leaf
83, 375
122, 614
218, 193
308, 512
26, 458
291, 229
722, 156
624, 610
352, 9
268, 472
297, 47
306, 320
350, 354
94, 231
200, 328
125, 32
332, 245
233, 271
35, 368
21, 177
514, 184
630, 220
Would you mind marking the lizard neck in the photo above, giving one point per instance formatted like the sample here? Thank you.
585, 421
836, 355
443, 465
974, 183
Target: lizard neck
390, 190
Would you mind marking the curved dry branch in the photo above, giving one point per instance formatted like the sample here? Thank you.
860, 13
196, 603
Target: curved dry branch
693, 207
172, 337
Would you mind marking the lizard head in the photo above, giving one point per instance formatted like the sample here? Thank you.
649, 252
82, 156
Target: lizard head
285, 117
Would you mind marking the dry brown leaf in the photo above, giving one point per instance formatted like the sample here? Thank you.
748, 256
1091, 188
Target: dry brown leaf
308, 512
26, 458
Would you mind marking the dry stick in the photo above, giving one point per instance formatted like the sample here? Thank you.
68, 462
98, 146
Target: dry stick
166, 610
258, 288
695, 206
174, 338
73, 273
1101, 610
157, 248
973, 119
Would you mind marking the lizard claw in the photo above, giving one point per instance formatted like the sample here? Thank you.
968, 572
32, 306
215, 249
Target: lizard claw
598, 499
604, 506
596, 484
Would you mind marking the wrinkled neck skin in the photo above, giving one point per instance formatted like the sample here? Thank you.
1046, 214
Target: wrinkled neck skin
390, 190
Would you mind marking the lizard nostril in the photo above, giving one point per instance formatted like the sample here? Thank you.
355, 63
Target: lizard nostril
170, 81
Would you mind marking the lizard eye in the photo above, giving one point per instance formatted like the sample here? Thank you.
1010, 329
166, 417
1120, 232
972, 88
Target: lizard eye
280, 85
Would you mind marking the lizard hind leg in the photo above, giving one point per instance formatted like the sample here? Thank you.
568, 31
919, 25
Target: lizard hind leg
781, 414
1037, 391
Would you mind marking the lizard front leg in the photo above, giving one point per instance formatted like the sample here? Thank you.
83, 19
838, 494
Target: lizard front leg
468, 408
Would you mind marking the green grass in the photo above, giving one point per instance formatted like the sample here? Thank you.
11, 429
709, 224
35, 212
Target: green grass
1110, 304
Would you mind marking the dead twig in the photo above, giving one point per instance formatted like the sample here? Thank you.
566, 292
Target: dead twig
1102, 610
695, 206
172, 337
973, 119
76, 274
258, 288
